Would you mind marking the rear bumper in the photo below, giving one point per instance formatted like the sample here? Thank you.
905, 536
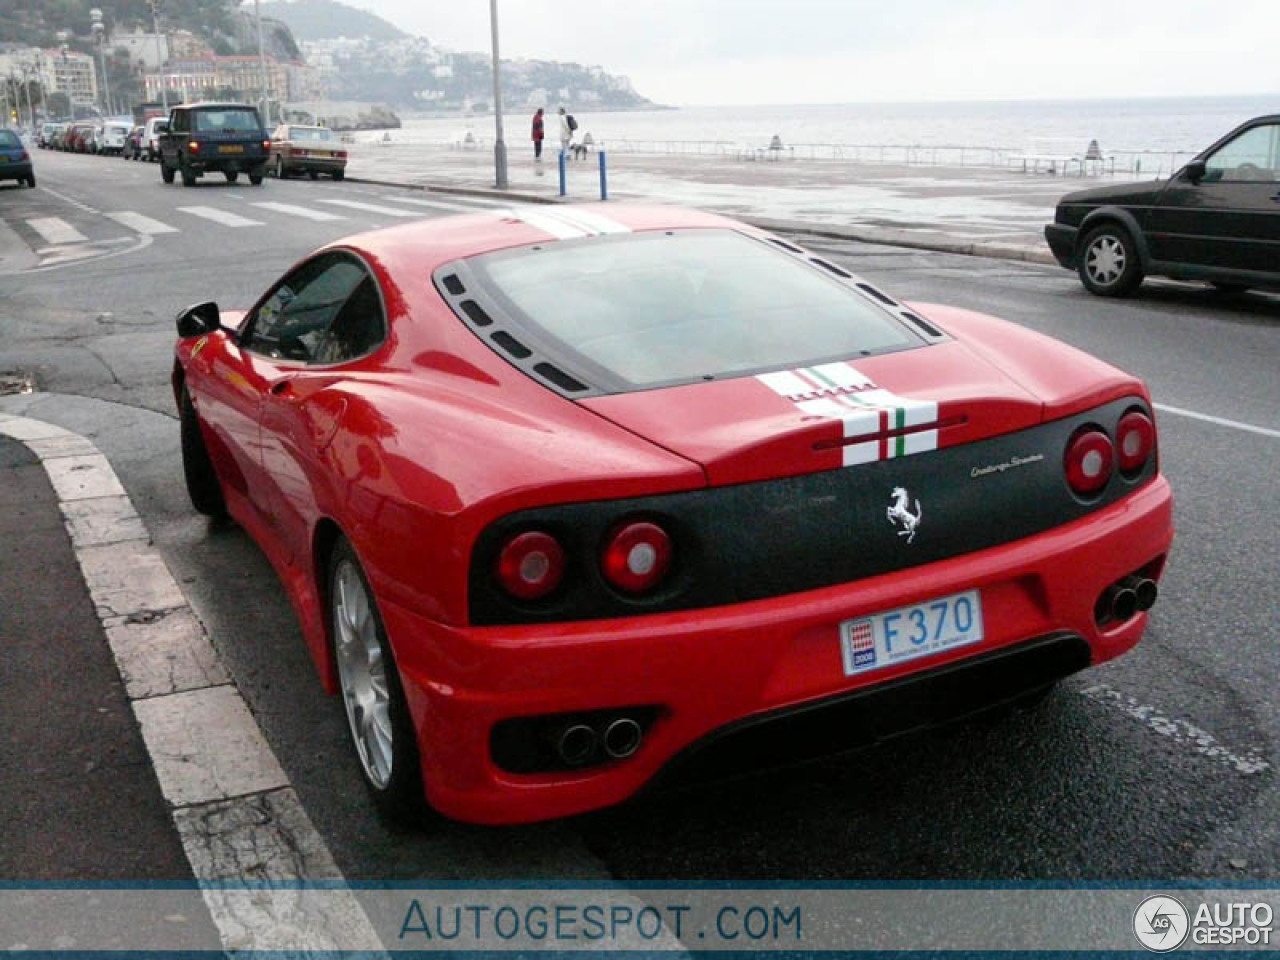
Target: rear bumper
319, 164
712, 670
1062, 242
236, 163
15, 171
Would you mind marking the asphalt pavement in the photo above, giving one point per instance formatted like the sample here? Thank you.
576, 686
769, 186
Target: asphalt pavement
1160, 765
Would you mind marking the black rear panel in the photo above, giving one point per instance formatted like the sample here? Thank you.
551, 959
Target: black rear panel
776, 537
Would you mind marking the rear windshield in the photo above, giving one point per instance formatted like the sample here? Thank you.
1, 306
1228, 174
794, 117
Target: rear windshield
657, 308
309, 133
9, 139
227, 121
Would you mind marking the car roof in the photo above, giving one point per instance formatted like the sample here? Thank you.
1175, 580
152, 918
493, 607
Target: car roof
422, 246
215, 105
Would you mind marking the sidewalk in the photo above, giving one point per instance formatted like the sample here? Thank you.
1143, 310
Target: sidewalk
79, 799
977, 210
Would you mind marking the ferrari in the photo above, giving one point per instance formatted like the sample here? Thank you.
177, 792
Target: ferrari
574, 500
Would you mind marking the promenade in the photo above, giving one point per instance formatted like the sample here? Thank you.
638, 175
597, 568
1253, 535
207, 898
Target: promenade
981, 210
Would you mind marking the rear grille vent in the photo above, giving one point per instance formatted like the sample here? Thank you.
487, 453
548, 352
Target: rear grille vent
558, 377
454, 285
882, 297
510, 344
831, 268
476, 313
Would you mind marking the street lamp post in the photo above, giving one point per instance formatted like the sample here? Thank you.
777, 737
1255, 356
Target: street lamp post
100, 36
161, 57
262, 64
499, 145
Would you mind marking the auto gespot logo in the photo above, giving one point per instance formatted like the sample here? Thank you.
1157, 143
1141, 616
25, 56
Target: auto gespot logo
1161, 923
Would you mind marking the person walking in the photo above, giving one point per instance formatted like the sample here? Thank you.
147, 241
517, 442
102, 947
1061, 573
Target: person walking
538, 134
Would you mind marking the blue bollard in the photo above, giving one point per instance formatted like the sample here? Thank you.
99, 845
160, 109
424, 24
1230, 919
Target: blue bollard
564, 178
604, 178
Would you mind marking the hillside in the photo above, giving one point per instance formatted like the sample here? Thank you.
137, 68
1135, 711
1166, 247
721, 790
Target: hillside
326, 19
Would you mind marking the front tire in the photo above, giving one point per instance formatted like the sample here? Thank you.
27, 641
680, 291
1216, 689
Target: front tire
377, 713
1109, 264
203, 486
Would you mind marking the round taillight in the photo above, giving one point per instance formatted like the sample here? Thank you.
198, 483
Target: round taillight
1135, 439
1089, 461
531, 565
637, 557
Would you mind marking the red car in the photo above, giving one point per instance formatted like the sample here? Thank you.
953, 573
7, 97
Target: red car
566, 498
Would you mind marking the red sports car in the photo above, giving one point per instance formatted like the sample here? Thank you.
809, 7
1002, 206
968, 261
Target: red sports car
569, 497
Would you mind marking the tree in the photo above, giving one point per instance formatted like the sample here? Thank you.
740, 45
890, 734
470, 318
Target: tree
59, 104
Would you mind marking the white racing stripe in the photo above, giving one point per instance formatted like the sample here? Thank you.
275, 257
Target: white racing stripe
370, 207
139, 223
294, 211
590, 220
1220, 421
557, 228
56, 230
224, 217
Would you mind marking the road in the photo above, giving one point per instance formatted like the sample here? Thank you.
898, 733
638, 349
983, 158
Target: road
1158, 765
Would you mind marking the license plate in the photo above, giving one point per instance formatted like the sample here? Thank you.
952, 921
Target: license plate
236, 149
895, 636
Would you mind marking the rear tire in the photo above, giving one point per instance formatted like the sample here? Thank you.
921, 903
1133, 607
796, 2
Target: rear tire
166, 172
31, 181
1109, 264
232, 176
256, 178
314, 174
339, 174
203, 486
372, 696
188, 175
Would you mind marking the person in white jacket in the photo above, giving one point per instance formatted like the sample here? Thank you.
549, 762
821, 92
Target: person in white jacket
566, 132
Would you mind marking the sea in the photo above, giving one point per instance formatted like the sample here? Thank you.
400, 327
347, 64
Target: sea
1183, 124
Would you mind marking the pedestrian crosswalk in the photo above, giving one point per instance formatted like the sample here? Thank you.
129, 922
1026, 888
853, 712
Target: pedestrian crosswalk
63, 236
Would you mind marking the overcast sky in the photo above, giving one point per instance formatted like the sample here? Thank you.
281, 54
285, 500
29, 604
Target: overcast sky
832, 51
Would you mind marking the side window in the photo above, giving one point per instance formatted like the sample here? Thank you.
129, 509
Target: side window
1250, 157
293, 322
358, 328
179, 124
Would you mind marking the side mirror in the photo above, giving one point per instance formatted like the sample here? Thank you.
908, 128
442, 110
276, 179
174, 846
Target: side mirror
1194, 171
199, 320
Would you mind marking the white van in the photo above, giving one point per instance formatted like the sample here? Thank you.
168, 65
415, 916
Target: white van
151, 136
112, 137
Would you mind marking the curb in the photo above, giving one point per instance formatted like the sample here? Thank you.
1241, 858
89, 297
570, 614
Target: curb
236, 813
878, 235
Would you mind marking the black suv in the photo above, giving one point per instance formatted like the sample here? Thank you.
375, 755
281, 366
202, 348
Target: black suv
207, 137
1216, 220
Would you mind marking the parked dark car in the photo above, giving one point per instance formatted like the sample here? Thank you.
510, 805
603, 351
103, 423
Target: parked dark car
1216, 220
225, 138
15, 162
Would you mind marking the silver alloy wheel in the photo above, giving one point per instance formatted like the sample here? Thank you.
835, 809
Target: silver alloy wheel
362, 673
1105, 260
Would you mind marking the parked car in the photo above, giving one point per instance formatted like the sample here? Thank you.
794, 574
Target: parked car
225, 138
15, 162
132, 149
1216, 220
567, 498
82, 138
296, 148
48, 134
111, 137
151, 131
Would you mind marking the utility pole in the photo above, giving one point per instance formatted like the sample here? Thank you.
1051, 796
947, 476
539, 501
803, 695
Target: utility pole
262, 66
162, 56
100, 35
27, 72
499, 145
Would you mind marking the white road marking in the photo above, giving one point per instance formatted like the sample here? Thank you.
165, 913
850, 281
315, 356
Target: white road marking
140, 223
369, 207
1220, 421
1179, 731
223, 217
293, 211
238, 818
56, 230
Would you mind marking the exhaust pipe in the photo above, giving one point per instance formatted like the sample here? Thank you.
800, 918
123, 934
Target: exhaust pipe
1121, 602
622, 738
576, 745
1144, 589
